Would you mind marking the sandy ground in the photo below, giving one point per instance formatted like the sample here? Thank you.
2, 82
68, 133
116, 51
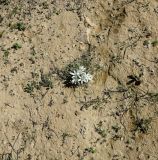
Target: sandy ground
114, 117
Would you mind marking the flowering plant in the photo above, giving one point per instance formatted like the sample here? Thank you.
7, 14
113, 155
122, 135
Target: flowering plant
80, 76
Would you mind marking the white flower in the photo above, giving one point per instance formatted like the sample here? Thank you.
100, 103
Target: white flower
80, 76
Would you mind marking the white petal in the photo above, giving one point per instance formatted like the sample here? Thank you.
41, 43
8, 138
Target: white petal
72, 73
82, 68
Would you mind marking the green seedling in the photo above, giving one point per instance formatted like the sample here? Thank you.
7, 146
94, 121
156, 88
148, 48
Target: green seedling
46, 81
19, 26
64, 136
90, 150
31, 86
16, 46
100, 130
154, 43
116, 128
142, 125
5, 56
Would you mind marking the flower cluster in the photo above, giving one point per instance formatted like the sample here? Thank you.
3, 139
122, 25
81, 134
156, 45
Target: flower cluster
79, 76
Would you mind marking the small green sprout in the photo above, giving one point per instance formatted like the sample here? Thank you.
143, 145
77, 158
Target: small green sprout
5, 56
154, 43
20, 26
142, 125
29, 88
46, 81
90, 150
16, 46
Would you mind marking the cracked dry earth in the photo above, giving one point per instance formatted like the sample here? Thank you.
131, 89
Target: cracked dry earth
115, 116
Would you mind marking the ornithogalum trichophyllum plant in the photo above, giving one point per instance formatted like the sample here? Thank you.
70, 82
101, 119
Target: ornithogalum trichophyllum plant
80, 76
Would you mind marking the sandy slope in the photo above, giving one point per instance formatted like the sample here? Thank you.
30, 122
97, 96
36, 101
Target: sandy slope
110, 119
